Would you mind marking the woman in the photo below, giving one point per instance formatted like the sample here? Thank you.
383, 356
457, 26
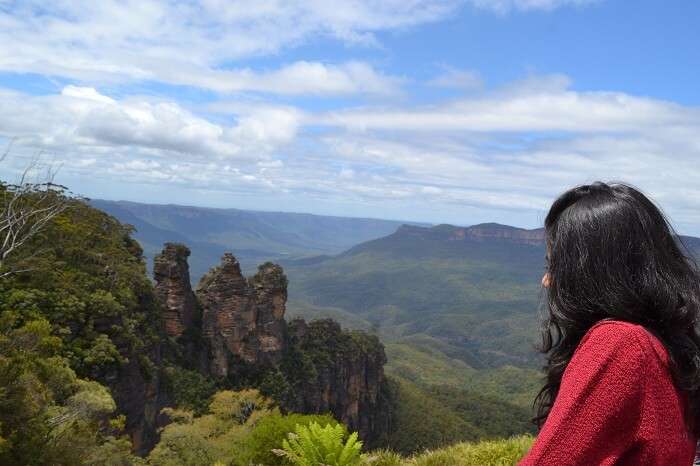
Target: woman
621, 337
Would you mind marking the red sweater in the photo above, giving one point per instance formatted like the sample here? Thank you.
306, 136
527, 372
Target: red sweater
617, 405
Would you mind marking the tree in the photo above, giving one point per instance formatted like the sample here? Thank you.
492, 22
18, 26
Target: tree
47, 414
26, 208
203, 440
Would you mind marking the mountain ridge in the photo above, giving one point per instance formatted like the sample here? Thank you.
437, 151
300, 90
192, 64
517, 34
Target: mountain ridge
255, 236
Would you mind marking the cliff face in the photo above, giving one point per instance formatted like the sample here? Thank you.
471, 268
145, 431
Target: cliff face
320, 368
494, 230
172, 276
140, 397
483, 231
349, 379
136, 387
243, 319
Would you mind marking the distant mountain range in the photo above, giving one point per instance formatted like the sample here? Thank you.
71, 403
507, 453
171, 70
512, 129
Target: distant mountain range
455, 306
254, 236
445, 299
468, 292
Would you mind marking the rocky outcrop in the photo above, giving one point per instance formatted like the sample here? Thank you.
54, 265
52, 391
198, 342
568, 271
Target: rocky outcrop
243, 319
349, 378
480, 232
138, 392
172, 276
497, 231
317, 367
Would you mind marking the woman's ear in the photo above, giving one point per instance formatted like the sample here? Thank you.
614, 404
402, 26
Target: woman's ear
546, 280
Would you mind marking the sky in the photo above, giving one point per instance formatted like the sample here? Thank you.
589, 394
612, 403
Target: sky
441, 111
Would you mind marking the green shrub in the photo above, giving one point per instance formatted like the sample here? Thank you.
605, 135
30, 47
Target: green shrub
487, 453
386, 458
190, 389
268, 434
314, 445
503, 452
216, 436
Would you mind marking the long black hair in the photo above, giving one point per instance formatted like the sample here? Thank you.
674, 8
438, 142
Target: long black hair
612, 254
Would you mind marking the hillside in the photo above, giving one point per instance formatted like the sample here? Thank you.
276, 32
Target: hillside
468, 293
94, 353
255, 236
457, 309
477, 285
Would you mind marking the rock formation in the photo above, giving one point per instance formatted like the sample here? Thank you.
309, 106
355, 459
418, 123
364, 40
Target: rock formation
243, 319
172, 276
349, 378
243, 325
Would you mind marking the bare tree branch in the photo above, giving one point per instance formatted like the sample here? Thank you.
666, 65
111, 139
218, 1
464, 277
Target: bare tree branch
26, 208
7, 151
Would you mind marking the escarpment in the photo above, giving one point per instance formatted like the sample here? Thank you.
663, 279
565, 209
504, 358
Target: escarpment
307, 367
349, 377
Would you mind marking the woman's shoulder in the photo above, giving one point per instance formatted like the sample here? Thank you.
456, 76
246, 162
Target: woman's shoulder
613, 336
614, 327
610, 351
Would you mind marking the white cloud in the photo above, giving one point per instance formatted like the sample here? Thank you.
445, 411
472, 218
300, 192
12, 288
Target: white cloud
82, 118
527, 107
505, 6
505, 154
89, 93
301, 77
199, 43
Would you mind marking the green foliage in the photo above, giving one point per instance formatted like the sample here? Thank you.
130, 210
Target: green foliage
202, 440
90, 284
480, 295
47, 414
102, 353
80, 309
114, 452
190, 389
386, 458
485, 453
421, 422
276, 386
238, 407
502, 452
493, 416
432, 416
313, 445
268, 434
239, 429
325, 342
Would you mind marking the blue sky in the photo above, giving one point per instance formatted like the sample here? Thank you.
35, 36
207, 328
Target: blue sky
440, 111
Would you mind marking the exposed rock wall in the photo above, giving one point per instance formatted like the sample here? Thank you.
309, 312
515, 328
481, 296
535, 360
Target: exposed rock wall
243, 318
349, 379
243, 324
137, 384
172, 276
140, 397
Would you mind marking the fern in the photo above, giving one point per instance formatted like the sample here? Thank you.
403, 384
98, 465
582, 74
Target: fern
314, 445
